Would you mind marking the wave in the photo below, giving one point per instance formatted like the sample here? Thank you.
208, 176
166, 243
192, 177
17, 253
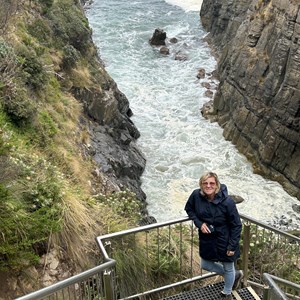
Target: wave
187, 5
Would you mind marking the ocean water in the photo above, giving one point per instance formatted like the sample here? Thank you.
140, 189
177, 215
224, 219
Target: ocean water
166, 97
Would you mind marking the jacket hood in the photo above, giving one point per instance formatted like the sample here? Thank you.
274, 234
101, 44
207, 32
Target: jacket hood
222, 194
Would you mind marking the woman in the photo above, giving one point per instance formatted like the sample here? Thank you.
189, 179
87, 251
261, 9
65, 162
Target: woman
215, 215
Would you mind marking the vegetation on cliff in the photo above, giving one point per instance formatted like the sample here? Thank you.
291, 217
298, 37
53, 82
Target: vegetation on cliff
46, 182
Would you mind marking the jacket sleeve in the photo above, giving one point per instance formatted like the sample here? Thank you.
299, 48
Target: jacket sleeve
235, 226
190, 209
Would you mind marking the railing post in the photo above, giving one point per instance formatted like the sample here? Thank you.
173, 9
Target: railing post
108, 285
246, 249
266, 293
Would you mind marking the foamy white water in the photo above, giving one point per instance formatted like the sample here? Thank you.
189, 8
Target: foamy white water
188, 5
166, 97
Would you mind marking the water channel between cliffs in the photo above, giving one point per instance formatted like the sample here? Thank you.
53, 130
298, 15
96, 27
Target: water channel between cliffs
166, 96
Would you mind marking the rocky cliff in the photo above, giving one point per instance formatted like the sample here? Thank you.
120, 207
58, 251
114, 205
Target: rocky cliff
258, 100
67, 144
112, 134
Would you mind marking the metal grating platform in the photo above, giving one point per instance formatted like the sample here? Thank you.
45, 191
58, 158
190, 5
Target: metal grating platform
212, 292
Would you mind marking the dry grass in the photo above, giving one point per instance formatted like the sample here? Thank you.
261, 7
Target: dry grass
77, 237
81, 77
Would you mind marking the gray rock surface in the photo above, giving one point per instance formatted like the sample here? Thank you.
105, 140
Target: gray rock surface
258, 98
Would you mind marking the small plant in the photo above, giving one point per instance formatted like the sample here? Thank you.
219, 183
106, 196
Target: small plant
8, 66
124, 204
18, 106
47, 4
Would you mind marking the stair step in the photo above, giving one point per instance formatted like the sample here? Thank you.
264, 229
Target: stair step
212, 292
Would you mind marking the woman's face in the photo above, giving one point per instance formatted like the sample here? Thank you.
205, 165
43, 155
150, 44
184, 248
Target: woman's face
209, 186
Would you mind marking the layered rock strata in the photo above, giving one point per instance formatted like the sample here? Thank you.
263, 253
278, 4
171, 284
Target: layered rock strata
258, 99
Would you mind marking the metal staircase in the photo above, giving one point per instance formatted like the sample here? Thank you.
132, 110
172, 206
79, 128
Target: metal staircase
173, 249
212, 292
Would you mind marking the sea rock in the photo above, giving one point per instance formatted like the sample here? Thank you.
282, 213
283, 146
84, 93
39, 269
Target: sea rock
173, 40
237, 199
164, 50
158, 38
208, 93
201, 73
207, 85
147, 220
180, 56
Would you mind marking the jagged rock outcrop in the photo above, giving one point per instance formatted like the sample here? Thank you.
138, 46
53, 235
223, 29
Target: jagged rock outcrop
112, 134
258, 99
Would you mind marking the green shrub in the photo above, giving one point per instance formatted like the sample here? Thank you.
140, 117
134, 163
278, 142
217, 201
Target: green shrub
13, 97
8, 9
43, 130
47, 3
33, 72
18, 106
272, 253
70, 26
21, 231
70, 58
31, 210
8, 64
41, 31
149, 259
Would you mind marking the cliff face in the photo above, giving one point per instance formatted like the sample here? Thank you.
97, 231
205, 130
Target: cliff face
258, 99
112, 135
65, 136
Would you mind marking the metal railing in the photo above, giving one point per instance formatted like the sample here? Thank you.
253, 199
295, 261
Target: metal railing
268, 250
159, 257
163, 259
279, 289
92, 284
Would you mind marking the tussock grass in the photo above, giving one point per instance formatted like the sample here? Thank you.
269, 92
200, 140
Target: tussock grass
77, 235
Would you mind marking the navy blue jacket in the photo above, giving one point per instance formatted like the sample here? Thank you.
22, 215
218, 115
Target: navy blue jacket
223, 215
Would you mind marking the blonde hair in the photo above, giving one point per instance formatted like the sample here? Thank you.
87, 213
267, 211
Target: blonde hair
208, 175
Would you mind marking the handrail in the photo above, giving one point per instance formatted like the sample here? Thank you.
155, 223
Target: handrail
181, 220
266, 226
276, 291
47, 291
99, 239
